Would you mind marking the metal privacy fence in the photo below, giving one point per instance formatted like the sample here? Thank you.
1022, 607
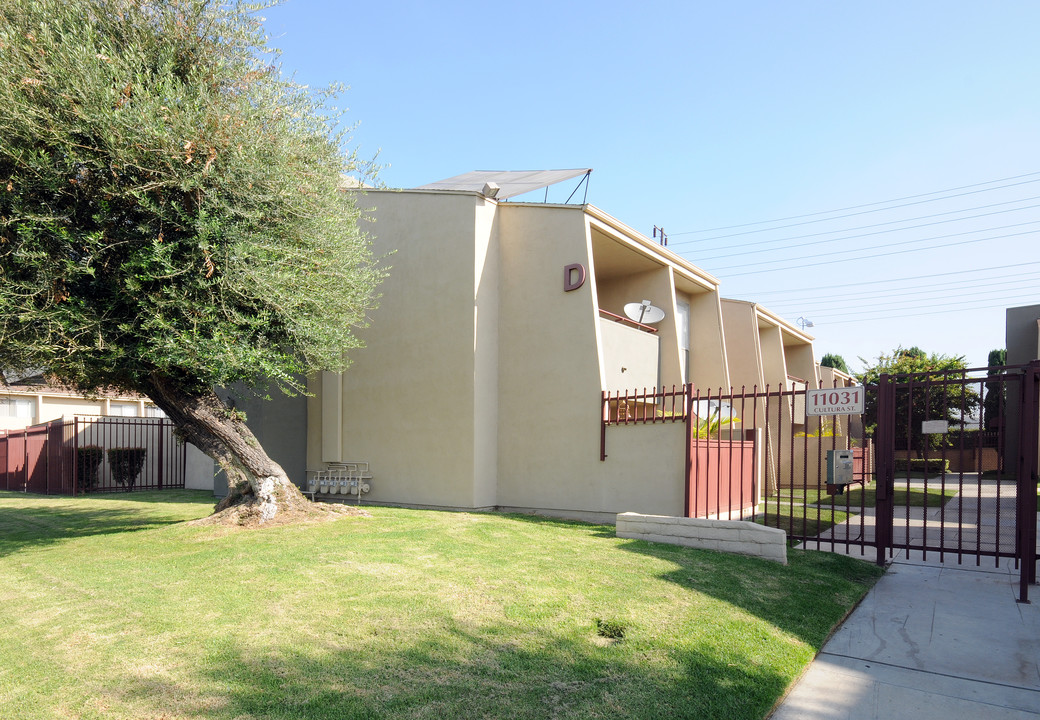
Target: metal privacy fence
92, 454
941, 465
752, 454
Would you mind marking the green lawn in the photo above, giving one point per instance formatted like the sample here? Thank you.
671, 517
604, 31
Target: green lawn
807, 513
114, 608
798, 513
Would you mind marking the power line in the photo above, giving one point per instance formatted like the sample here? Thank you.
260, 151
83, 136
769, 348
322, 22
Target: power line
913, 277
1019, 296
913, 314
877, 255
856, 207
928, 295
888, 245
875, 305
990, 282
876, 232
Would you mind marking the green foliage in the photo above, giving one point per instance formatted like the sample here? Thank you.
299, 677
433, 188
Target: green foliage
835, 361
613, 629
995, 396
88, 463
935, 466
936, 403
709, 426
824, 429
170, 204
126, 464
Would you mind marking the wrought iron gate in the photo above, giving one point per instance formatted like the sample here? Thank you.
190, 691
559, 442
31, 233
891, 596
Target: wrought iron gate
966, 444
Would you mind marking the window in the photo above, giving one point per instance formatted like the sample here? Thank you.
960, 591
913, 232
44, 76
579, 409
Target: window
153, 411
123, 409
17, 407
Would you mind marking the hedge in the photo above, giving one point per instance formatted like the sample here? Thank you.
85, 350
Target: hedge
931, 465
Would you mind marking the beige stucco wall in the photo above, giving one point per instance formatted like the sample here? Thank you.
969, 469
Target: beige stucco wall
416, 394
481, 380
550, 376
199, 469
774, 369
709, 349
800, 361
486, 280
742, 344
657, 287
549, 400
631, 357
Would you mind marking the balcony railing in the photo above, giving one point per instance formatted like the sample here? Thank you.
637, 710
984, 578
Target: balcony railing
625, 321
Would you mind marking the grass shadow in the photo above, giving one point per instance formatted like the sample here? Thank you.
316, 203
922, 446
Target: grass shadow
804, 598
473, 672
34, 521
594, 529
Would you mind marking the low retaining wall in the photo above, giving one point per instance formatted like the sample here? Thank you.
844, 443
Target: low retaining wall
734, 536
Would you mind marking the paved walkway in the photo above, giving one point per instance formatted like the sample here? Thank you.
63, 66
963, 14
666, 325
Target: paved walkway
978, 519
930, 640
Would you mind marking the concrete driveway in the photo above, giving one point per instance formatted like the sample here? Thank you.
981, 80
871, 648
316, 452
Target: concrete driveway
932, 639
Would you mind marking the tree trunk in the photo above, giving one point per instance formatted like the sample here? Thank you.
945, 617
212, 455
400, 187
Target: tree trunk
254, 479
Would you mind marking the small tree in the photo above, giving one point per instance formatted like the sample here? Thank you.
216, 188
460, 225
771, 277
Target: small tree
993, 404
835, 361
173, 216
934, 403
88, 465
126, 464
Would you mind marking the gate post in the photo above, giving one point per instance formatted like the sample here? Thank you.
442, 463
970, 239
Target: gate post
885, 449
687, 499
1026, 514
161, 460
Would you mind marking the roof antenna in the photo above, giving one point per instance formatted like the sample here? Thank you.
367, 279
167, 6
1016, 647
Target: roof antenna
660, 231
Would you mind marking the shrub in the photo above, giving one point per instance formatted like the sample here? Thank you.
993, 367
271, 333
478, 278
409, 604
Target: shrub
88, 465
931, 465
126, 464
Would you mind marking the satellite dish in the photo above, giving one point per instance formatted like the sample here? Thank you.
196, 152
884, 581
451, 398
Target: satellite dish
644, 312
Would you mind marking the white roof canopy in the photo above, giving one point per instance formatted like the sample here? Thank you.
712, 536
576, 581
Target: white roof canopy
510, 182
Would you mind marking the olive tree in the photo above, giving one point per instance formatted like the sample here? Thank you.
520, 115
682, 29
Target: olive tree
173, 216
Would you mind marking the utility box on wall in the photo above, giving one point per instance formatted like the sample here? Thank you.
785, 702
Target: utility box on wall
839, 471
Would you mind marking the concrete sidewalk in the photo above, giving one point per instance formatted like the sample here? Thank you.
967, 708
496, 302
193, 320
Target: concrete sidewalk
929, 640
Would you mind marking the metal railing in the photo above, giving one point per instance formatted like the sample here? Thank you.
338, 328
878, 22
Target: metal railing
92, 454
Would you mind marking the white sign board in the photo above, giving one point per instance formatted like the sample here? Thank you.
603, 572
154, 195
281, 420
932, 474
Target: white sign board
934, 427
834, 401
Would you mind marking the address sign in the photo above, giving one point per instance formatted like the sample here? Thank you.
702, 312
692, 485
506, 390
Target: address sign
834, 401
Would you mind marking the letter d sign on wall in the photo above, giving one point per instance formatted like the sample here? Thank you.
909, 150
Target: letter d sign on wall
573, 277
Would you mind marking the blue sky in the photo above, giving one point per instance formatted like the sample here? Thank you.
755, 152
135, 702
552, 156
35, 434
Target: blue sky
703, 115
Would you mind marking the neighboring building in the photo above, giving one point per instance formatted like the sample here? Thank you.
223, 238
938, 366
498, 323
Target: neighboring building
30, 401
1022, 335
500, 325
27, 403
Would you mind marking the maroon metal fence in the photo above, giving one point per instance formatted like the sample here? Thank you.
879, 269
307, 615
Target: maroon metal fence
945, 473
92, 454
752, 454
976, 486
